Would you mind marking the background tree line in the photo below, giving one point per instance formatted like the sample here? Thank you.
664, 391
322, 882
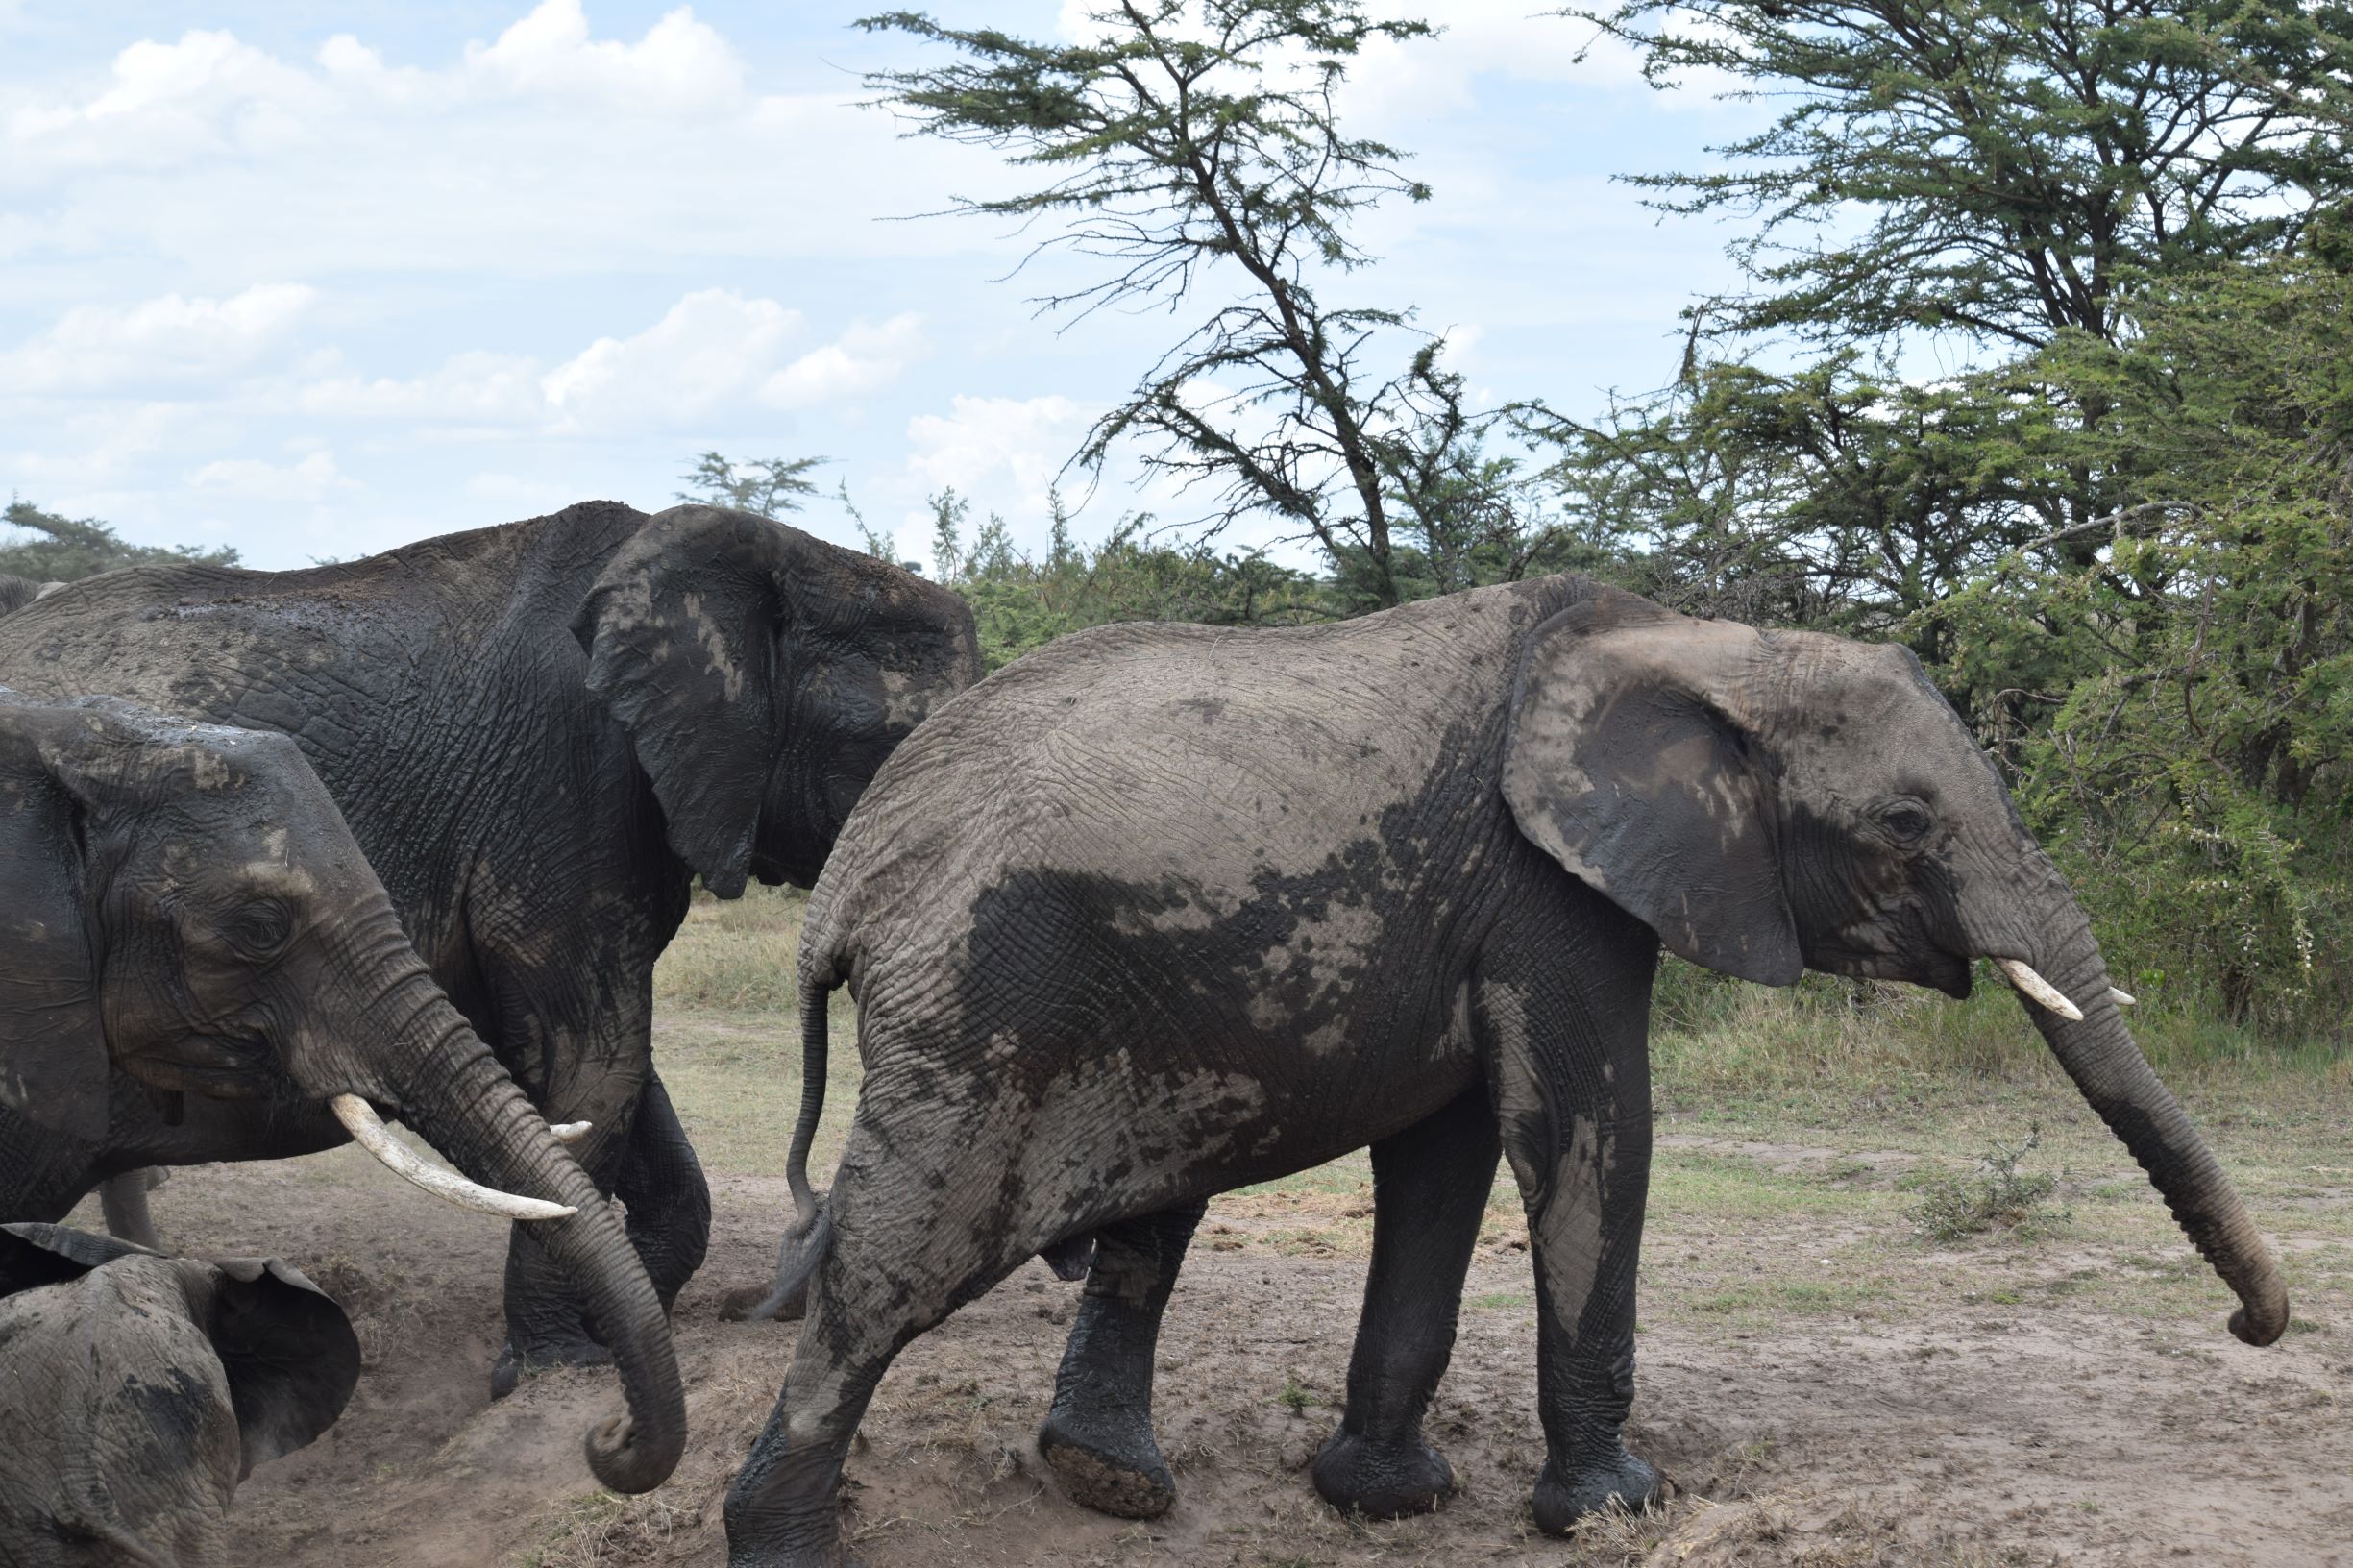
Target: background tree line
2113, 519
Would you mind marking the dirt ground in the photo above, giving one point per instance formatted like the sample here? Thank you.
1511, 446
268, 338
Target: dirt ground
1825, 1387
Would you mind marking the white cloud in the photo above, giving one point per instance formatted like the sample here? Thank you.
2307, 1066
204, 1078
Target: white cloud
313, 478
470, 388
712, 348
678, 61
511, 159
712, 355
865, 359
173, 339
167, 104
993, 448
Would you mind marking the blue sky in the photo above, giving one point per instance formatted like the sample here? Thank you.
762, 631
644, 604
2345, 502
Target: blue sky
315, 279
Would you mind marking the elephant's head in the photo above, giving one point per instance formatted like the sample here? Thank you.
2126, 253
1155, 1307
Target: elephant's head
16, 593
1769, 802
188, 913
763, 677
286, 1350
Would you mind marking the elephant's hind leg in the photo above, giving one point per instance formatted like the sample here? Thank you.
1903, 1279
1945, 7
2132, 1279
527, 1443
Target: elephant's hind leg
900, 1260
1098, 1437
1429, 1188
668, 1198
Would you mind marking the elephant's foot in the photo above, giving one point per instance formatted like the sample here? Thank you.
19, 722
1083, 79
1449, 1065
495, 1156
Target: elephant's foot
832, 1555
1356, 1474
1106, 1462
1565, 1496
515, 1364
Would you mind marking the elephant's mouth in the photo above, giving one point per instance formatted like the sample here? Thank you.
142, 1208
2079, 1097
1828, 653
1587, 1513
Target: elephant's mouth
1868, 954
224, 1066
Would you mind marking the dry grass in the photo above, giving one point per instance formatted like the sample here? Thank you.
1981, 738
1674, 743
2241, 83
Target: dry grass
603, 1531
734, 956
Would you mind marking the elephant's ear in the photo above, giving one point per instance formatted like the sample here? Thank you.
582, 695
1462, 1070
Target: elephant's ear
682, 637
32, 1256
289, 1353
1628, 763
53, 1047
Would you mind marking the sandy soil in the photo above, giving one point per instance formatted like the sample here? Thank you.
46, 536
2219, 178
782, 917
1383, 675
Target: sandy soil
2075, 1427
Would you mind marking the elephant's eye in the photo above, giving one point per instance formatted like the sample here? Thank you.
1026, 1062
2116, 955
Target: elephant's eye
259, 928
1906, 821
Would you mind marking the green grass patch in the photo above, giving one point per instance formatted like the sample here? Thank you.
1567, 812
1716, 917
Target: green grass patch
1999, 1196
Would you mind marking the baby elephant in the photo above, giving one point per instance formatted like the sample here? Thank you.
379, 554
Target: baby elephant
137, 1390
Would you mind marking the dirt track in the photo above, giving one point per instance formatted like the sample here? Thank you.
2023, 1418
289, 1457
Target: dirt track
2056, 1429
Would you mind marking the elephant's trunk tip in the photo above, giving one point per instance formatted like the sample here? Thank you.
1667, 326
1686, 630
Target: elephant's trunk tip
2262, 1314
621, 1463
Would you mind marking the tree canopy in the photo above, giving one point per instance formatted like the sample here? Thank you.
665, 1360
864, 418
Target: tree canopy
52, 548
2003, 169
1191, 144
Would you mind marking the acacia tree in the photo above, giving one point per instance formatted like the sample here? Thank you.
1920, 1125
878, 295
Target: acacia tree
766, 486
2004, 175
2002, 169
1191, 141
58, 548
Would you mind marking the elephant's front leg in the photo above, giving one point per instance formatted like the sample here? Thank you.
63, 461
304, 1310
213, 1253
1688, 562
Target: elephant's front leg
1569, 1067
1098, 1437
1430, 1190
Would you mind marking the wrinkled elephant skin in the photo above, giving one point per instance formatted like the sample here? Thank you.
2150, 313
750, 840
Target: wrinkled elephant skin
540, 734
1160, 911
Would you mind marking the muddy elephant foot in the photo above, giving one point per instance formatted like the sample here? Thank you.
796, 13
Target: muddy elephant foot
1563, 1497
1107, 1463
1356, 1474
542, 1356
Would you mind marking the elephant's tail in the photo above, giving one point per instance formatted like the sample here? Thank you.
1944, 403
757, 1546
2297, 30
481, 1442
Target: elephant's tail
803, 1246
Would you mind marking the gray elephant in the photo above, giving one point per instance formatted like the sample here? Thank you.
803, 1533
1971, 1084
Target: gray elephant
16, 593
1160, 911
192, 945
540, 734
140, 1389
125, 1197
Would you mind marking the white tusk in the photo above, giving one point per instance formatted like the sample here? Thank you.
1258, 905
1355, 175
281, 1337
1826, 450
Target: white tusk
2039, 990
2122, 997
369, 1132
569, 1132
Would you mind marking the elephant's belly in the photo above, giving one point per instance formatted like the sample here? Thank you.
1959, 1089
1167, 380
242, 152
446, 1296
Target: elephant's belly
1191, 1131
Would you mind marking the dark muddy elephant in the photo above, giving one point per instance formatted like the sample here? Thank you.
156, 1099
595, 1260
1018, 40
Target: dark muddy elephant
539, 734
140, 1389
193, 948
1158, 911
16, 593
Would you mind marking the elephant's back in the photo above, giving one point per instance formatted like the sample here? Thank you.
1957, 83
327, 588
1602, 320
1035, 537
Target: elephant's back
341, 655
114, 1369
1145, 775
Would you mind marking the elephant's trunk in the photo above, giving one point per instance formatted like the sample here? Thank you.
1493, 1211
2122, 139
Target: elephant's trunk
2098, 1053
443, 1080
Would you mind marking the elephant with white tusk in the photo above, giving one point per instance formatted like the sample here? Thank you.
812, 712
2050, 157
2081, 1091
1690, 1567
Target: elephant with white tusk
1160, 910
191, 941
